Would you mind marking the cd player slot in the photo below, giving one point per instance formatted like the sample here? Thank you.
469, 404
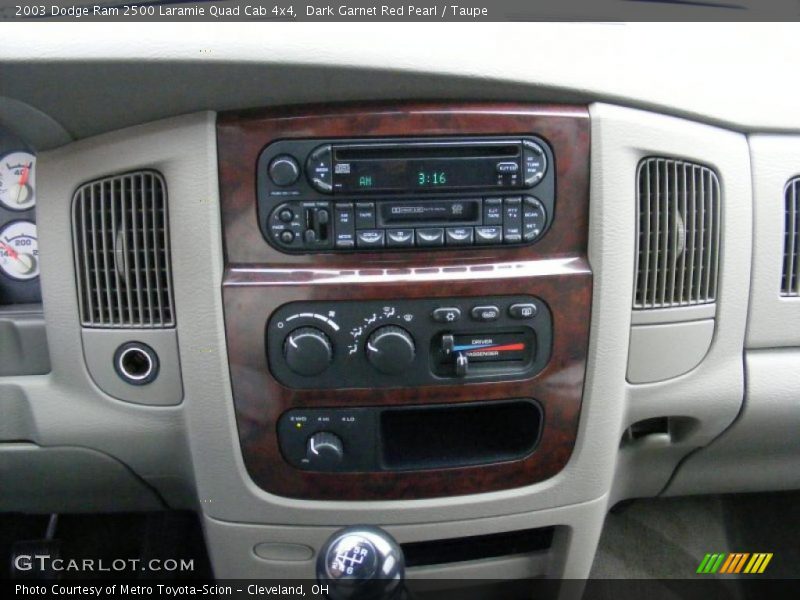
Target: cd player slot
426, 150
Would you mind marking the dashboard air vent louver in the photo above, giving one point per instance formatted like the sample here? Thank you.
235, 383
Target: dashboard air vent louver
122, 255
790, 282
678, 234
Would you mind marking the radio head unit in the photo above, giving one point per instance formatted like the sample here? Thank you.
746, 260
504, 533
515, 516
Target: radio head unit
332, 195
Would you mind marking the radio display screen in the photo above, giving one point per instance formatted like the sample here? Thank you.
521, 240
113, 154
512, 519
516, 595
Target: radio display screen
412, 175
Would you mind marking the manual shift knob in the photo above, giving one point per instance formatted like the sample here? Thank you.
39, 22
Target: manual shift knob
361, 563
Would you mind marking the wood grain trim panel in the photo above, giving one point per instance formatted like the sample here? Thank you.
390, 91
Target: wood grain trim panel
258, 279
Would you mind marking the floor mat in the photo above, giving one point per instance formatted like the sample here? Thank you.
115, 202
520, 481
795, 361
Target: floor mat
668, 537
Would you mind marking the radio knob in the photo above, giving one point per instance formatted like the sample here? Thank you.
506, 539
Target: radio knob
324, 450
390, 349
284, 170
307, 351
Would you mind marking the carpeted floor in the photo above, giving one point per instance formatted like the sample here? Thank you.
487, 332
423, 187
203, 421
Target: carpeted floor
668, 537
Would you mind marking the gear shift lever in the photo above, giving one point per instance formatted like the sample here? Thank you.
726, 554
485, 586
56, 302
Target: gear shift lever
361, 563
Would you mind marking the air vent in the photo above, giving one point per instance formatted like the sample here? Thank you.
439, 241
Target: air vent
790, 282
122, 257
678, 234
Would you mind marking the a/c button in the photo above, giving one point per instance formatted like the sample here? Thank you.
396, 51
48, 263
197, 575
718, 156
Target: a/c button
485, 313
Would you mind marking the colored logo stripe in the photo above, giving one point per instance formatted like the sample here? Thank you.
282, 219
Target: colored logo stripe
758, 563
734, 563
711, 563
506, 348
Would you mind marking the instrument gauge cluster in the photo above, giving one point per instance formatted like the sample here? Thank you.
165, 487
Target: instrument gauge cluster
17, 181
19, 250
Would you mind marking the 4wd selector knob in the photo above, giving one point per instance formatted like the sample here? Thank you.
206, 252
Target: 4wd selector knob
307, 351
324, 449
390, 349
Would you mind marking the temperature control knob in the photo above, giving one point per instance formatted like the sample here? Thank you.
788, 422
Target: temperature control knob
307, 351
390, 349
324, 450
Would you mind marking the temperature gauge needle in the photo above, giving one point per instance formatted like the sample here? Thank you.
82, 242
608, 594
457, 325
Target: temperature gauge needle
23, 181
27, 261
11, 252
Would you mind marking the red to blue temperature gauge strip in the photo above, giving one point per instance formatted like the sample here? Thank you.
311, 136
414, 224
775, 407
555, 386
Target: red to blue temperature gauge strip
490, 347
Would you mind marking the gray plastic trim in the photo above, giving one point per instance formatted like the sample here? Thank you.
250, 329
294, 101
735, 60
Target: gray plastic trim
660, 352
776, 159
99, 347
761, 451
35, 128
571, 556
673, 315
711, 394
69, 480
23, 341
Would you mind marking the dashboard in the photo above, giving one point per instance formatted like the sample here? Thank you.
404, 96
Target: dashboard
451, 300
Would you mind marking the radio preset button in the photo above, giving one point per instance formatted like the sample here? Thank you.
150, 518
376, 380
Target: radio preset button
446, 315
371, 238
399, 238
488, 235
485, 313
522, 311
431, 236
533, 218
365, 215
512, 220
344, 226
492, 211
459, 236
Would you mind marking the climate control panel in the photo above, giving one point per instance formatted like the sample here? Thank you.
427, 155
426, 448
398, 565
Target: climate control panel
399, 343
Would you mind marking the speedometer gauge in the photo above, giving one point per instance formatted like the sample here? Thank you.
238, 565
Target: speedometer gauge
17, 182
19, 250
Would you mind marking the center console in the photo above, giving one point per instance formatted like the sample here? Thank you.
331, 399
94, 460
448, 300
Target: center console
407, 295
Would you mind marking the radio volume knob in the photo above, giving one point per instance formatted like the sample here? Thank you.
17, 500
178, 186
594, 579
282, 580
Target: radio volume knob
391, 349
307, 351
284, 170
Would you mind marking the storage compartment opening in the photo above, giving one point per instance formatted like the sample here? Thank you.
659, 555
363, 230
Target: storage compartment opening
459, 435
494, 545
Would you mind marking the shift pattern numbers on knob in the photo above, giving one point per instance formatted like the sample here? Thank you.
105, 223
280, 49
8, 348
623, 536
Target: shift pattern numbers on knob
362, 563
307, 351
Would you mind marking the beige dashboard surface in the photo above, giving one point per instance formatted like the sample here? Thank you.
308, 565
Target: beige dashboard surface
724, 73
